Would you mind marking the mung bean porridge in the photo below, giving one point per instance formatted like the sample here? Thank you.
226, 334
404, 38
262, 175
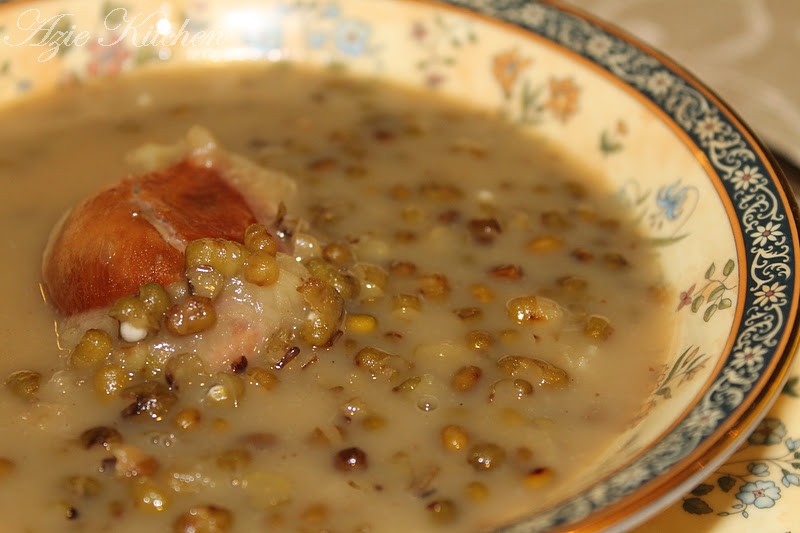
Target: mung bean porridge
420, 318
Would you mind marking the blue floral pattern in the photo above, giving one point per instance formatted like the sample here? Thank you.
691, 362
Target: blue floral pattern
339, 34
761, 494
744, 484
665, 211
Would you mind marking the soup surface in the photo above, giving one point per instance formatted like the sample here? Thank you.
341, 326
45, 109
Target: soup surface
503, 320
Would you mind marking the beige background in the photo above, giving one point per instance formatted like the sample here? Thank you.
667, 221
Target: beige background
748, 51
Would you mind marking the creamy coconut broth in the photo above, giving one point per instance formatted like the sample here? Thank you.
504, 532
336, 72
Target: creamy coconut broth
445, 404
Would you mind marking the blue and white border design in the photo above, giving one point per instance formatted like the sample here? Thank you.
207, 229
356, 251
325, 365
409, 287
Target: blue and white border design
756, 200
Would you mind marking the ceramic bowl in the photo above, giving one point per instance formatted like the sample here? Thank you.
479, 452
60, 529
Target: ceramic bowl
703, 187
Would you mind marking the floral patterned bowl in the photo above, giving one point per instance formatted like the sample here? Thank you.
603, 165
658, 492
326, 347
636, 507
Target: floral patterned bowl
705, 190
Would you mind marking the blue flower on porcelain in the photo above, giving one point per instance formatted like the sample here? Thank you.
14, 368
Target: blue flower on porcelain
317, 39
670, 200
762, 494
352, 37
758, 469
789, 479
792, 444
331, 11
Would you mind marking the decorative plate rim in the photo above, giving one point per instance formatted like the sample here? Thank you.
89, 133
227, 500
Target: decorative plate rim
592, 509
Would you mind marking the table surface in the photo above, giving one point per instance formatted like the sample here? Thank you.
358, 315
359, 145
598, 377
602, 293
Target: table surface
747, 51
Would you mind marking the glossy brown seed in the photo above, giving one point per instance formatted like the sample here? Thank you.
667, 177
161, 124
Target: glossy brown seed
350, 460
526, 309
537, 371
188, 419
205, 281
408, 385
434, 286
479, 340
262, 269
183, 369
337, 254
227, 390
263, 378
454, 438
484, 230
598, 328
360, 323
481, 293
155, 300
70, 512
406, 304
24, 384
193, 315
239, 365
131, 461
100, 436
109, 380
258, 238
131, 310
91, 350
288, 356
328, 308
150, 497
151, 399
486, 456
465, 378
376, 362
510, 389
506, 272
344, 283
224, 256
469, 313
